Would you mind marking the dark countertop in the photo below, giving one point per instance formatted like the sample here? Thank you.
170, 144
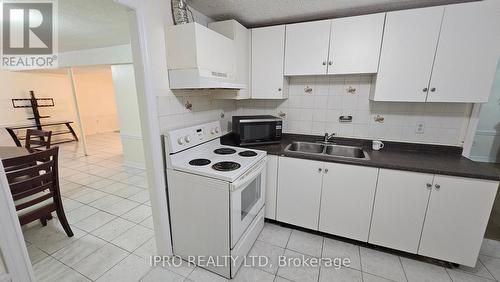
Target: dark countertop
436, 159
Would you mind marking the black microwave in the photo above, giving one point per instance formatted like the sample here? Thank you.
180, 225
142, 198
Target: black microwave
253, 130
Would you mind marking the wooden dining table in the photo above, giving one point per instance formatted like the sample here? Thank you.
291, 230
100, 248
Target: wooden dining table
7, 152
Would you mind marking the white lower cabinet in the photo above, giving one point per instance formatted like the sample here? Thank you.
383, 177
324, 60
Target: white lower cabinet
347, 200
437, 216
457, 216
299, 192
399, 209
271, 186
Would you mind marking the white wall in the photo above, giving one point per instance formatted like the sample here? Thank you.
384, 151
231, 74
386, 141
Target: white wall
486, 146
318, 112
128, 114
96, 99
18, 85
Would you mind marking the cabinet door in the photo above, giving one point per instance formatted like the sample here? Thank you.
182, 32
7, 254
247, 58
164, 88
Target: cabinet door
271, 186
458, 212
306, 48
355, 44
268, 52
407, 54
467, 54
299, 189
399, 209
347, 200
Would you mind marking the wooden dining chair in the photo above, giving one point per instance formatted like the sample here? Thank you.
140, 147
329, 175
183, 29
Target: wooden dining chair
42, 138
34, 185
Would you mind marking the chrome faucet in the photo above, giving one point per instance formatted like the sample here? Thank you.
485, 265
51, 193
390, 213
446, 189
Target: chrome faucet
328, 137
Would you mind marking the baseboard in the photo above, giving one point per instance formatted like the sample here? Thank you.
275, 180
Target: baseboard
483, 159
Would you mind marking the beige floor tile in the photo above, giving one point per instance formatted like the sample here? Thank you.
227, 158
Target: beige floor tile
95, 265
113, 229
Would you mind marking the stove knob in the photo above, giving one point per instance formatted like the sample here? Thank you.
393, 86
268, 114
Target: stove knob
217, 129
180, 141
212, 131
187, 138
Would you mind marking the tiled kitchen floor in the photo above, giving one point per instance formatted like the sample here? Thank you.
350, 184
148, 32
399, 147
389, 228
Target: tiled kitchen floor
108, 208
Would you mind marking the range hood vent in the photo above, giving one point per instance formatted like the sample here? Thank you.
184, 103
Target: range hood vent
200, 58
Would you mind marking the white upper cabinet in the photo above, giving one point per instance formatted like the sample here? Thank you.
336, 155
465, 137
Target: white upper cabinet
306, 48
340, 46
439, 54
457, 215
355, 44
467, 53
268, 53
407, 54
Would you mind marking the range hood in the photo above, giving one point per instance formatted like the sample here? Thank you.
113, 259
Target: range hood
200, 58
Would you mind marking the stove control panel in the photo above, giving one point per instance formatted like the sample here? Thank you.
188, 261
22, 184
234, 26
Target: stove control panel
183, 138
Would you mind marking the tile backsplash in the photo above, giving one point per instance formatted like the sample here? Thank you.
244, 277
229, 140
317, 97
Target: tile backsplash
172, 112
318, 111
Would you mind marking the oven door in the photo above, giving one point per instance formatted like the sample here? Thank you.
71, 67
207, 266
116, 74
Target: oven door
247, 199
259, 131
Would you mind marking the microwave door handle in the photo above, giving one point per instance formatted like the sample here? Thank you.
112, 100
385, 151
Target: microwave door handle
249, 177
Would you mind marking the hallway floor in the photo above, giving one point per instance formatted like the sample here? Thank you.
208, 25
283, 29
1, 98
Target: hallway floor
108, 207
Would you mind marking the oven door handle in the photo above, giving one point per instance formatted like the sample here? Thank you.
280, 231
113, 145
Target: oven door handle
249, 176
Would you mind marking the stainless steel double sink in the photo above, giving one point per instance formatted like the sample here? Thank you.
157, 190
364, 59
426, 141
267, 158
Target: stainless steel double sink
332, 150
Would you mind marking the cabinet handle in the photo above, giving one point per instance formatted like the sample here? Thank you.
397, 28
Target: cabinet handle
326, 170
279, 89
433, 89
324, 63
437, 186
425, 89
330, 63
429, 186
320, 169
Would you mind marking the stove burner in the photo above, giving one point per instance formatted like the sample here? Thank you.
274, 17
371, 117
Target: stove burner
248, 154
226, 166
199, 162
224, 151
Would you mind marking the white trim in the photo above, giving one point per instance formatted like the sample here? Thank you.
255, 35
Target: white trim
153, 150
112, 55
487, 132
471, 129
131, 137
15, 254
134, 164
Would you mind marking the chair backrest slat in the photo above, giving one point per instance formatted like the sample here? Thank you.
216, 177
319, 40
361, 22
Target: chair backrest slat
29, 170
32, 174
30, 191
34, 201
29, 182
42, 135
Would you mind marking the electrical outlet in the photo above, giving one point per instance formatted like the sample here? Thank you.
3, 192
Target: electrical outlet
420, 128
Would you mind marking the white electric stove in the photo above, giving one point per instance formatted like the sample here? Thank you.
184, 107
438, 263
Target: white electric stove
216, 196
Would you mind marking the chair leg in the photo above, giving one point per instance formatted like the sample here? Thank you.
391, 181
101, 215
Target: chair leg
49, 217
43, 221
64, 222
